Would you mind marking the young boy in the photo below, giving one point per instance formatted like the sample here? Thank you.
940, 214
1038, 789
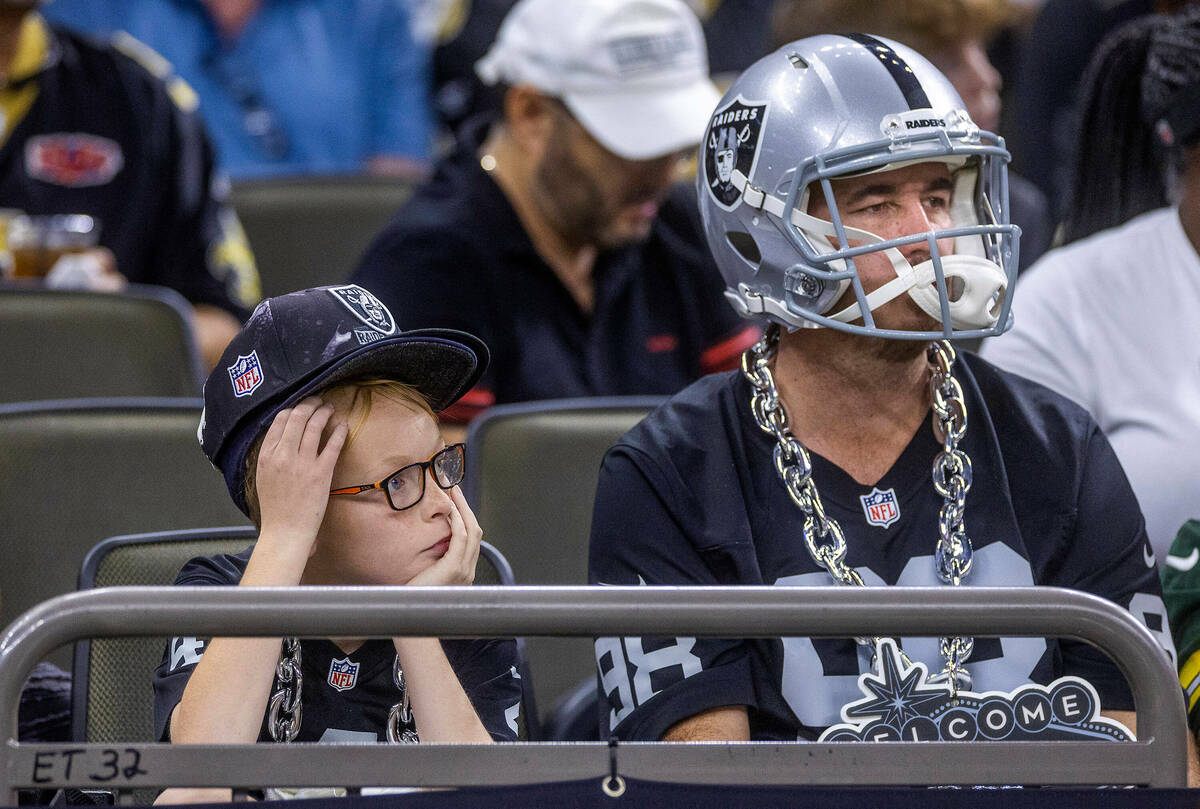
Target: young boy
320, 416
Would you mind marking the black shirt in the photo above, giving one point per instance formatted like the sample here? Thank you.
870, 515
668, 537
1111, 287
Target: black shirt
106, 138
456, 256
691, 496
348, 701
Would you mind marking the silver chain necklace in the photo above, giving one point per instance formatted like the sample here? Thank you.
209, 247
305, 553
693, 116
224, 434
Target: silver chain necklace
284, 708
823, 536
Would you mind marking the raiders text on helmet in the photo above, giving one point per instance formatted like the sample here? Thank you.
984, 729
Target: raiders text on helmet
828, 107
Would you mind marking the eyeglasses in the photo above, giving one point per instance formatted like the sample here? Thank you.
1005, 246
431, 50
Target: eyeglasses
406, 486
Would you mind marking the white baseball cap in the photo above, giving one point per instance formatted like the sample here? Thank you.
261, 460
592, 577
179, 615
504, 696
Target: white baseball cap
633, 72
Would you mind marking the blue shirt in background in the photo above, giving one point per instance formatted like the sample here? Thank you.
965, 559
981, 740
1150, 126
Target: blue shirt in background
307, 87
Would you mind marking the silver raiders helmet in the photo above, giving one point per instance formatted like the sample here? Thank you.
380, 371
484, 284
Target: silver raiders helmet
834, 106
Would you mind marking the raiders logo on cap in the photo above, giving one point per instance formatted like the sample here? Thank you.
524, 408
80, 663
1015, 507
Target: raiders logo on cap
732, 143
366, 307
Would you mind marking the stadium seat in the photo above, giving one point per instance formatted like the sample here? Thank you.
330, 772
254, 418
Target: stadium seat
67, 344
311, 231
77, 471
113, 697
531, 478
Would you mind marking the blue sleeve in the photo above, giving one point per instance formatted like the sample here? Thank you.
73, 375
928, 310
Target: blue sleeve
88, 16
651, 683
400, 74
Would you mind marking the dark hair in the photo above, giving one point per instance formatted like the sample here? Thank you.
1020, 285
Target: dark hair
1122, 168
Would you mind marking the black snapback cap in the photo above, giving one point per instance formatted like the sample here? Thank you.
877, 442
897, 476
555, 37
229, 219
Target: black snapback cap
305, 341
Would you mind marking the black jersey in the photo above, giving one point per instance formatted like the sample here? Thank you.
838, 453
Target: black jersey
457, 256
347, 696
691, 496
97, 133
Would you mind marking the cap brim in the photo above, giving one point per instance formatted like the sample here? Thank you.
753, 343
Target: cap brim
443, 364
649, 123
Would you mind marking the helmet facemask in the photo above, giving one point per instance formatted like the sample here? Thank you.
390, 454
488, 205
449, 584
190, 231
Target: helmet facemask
964, 290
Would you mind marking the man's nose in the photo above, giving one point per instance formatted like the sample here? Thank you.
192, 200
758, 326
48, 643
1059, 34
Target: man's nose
914, 219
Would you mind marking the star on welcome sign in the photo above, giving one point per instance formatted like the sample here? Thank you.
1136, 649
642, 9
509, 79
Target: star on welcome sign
900, 693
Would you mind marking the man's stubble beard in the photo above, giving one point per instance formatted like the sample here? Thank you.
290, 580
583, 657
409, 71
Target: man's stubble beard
568, 197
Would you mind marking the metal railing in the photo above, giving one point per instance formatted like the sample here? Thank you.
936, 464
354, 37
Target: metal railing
1158, 758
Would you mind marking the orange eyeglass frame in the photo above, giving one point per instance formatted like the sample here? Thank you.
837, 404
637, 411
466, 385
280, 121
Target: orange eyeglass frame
425, 466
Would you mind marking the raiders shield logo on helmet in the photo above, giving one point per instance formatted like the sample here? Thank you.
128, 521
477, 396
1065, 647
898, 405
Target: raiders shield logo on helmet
732, 143
366, 307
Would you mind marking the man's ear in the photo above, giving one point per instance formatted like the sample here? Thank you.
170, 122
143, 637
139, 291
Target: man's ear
529, 116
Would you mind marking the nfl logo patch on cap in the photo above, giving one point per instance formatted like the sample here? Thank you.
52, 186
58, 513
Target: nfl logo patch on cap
245, 374
880, 507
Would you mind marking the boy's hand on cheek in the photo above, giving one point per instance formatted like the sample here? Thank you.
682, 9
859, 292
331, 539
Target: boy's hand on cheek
457, 565
294, 474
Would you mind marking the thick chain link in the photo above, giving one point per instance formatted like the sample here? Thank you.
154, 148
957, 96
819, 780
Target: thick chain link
284, 708
401, 728
823, 536
953, 556
283, 711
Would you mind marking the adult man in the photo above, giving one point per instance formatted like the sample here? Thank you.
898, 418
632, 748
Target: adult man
856, 206
88, 129
953, 35
543, 234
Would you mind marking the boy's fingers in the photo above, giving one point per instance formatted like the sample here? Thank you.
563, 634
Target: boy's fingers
275, 431
310, 439
335, 442
468, 516
460, 539
298, 420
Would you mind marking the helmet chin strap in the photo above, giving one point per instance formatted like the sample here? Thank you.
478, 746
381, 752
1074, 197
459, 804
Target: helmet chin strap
977, 306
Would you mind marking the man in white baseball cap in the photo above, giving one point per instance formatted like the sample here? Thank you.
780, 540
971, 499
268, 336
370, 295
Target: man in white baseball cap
635, 74
553, 232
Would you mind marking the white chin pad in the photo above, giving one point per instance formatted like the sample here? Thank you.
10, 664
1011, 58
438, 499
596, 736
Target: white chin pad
977, 305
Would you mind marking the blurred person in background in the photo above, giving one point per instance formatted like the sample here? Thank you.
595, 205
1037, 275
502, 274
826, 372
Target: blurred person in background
289, 86
1116, 120
552, 232
1055, 52
1111, 320
107, 131
954, 35
459, 32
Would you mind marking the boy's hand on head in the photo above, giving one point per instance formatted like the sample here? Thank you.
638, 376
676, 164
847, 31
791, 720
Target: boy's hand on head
294, 474
457, 566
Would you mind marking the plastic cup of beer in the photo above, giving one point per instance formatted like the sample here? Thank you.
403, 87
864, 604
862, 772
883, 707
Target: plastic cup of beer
37, 242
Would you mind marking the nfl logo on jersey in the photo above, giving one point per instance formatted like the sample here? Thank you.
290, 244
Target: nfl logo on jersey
245, 374
343, 675
881, 507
